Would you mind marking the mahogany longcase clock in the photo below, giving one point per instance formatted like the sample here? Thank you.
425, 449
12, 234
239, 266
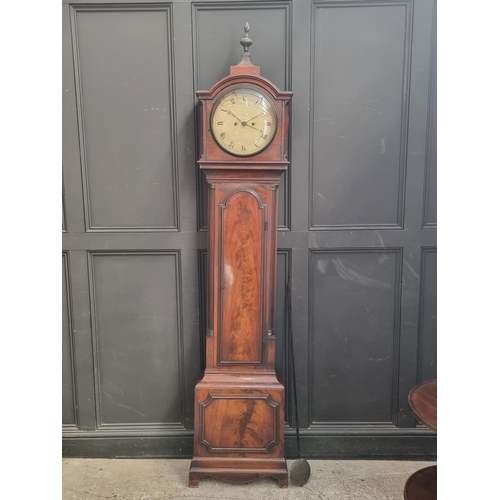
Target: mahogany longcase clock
239, 402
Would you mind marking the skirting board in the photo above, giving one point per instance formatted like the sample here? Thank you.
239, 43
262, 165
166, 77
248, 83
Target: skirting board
404, 444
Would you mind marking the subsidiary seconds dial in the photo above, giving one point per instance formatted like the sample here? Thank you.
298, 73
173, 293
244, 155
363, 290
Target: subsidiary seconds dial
244, 122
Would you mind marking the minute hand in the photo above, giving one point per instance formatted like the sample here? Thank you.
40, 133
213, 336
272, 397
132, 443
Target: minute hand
250, 119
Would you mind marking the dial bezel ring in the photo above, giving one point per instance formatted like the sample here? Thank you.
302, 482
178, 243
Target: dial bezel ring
239, 87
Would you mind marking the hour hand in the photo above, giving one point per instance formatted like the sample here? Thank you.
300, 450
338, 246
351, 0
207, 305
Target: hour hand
229, 112
255, 128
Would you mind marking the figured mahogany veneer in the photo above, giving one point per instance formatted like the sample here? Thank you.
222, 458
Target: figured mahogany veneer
243, 254
229, 434
239, 402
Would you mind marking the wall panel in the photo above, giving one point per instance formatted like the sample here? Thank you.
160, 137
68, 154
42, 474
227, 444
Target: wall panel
127, 116
282, 328
137, 337
428, 316
354, 311
69, 415
430, 200
359, 113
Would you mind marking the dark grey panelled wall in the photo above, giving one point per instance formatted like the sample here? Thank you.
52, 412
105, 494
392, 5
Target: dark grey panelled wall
357, 217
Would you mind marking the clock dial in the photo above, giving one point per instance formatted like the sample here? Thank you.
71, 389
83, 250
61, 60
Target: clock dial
244, 122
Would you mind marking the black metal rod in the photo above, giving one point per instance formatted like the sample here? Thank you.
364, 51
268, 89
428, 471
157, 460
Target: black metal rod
294, 379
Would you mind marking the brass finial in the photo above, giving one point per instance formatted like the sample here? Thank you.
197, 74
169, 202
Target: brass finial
245, 41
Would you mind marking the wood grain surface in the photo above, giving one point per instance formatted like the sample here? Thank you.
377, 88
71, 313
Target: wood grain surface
422, 485
423, 403
236, 423
242, 238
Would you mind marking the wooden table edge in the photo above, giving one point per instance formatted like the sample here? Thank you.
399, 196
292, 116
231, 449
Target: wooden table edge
415, 411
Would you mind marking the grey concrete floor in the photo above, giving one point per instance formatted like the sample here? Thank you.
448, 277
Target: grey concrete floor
148, 479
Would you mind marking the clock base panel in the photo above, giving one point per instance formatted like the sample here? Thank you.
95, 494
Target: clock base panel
239, 428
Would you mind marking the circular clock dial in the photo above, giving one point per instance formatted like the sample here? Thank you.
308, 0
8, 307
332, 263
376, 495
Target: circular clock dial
244, 122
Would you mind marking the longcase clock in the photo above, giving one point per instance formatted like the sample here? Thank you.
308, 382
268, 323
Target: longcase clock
239, 402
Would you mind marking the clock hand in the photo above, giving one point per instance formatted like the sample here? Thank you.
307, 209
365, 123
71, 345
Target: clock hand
232, 114
244, 123
255, 116
255, 128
